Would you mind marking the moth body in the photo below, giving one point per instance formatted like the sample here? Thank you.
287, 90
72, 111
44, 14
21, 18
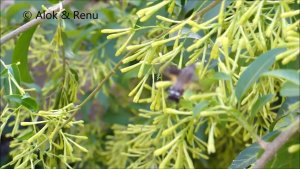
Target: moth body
184, 77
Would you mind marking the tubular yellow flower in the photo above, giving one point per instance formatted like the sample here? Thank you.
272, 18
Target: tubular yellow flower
32, 123
133, 47
126, 69
141, 12
152, 105
115, 35
293, 26
167, 56
177, 27
290, 14
135, 56
249, 13
174, 111
170, 130
194, 56
293, 33
167, 146
291, 57
146, 13
211, 113
221, 13
136, 88
165, 161
38, 134
202, 96
222, 67
141, 71
211, 143
187, 157
294, 148
155, 101
285, 54
158, 101
118, 53
114, 30
201, 41
147, 100
271, 26
171, 7
179, 158
137, 96
78, 146
215, 50
161, 42
194, 24
166, 19
163, 84
238, 4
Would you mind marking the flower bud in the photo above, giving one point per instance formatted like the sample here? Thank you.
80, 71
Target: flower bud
114, 30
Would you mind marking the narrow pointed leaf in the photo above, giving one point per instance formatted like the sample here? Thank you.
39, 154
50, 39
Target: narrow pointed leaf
290, 90
254, 70
20, 54
288, 74
260, 103
249, 155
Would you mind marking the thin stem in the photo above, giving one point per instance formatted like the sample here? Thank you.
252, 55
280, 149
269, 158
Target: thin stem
62, 49
31, 23
207, 8
90, 96
274, 146
150, 27
97, 89
246, 126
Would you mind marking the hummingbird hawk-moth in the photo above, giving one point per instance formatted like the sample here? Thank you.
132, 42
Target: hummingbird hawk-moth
181, 79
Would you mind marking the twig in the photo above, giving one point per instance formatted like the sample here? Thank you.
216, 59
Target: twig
274, 146
207, 8
89, 97
247, 127
97, 89
31, 23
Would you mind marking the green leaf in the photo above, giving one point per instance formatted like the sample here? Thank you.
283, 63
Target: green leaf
200, 106
53, 1
254, 70
103, 99
260, 103
15, 72
25, 134
24, 100
290, 89
3, 73
190, 6
285, 121
248, 157
288, 74
186, 104
215, 10
20, 54
285, 159
15, 98
30, 103
221, 76
284, 109
14, 9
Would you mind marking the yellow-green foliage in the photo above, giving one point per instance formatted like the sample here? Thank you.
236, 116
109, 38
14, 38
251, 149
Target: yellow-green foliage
209, 126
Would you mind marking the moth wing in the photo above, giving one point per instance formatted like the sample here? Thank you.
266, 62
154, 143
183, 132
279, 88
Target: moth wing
171, 72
